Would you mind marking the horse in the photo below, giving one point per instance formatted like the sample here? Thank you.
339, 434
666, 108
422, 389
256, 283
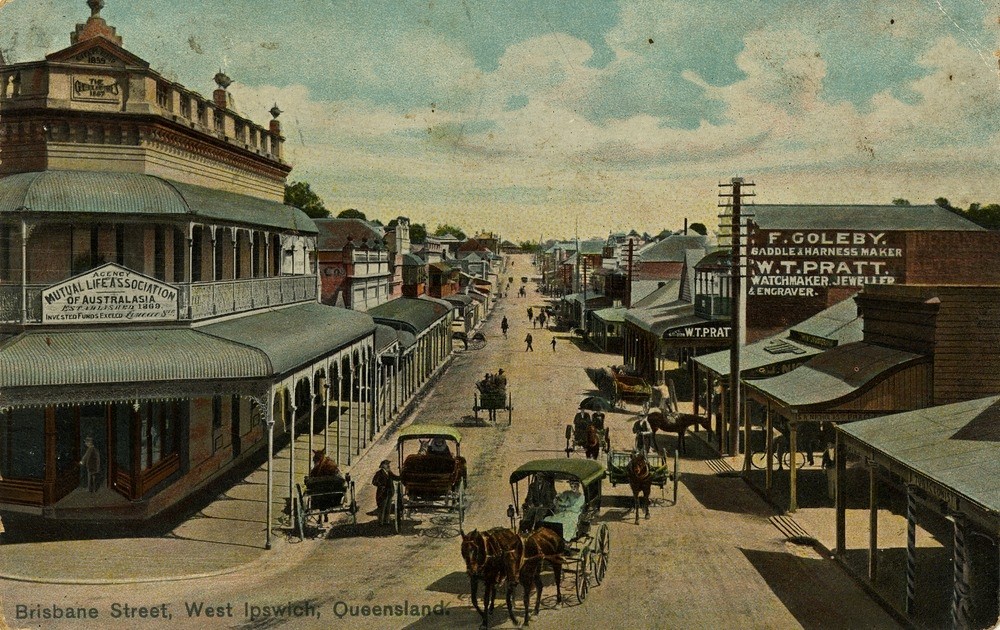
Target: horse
486, 556
323, 466
592, 442
640, 479
675, 423
525, 567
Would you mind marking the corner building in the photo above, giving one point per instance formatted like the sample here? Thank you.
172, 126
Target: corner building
156, 295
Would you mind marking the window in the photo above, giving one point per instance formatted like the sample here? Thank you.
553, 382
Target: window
159, 253
163, 96
220, 121
6, 251
202, 114
157, 436
120, 244
241, 131
186, 106
22, 444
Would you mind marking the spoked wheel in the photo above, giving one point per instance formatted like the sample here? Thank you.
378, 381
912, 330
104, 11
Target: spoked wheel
582, 575
603, 551
569, 439
398, 521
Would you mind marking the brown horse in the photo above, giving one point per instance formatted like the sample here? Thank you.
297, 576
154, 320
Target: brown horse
486, 556
640, 479
525, 567
677, 423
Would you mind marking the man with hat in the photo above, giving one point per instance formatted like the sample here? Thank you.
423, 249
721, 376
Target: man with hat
383, 494
91, 462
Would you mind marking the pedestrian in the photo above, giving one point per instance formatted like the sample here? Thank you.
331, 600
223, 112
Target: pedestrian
91, 462
383, 480
504, 326
553, 344
531, 314
528, 341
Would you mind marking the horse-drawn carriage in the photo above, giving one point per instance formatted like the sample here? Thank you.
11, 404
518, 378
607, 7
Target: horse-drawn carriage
620, 386
433, 479
322, 496
655, 469
570, 514
492, 396
588, 432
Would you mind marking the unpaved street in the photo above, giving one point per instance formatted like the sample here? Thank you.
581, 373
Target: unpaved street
711, 561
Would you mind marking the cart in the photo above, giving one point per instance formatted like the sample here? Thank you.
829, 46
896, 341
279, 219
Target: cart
662, 469
588, 545
576, 433
429, 480
321, 497
492, 396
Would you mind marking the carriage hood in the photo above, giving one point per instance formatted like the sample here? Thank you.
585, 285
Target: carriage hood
586, 470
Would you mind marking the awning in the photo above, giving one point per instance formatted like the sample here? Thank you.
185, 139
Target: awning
593, 299
131, 194
837, 325
835, 374
414, 315
657, 319
295, 336
385, 337
611, 315
956, 446
458, 299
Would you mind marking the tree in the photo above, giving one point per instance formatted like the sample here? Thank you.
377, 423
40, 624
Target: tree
418, 233
987, 216
899, 201
300, 195
441, 230
699, 228
351, 213
528, 246
943, 202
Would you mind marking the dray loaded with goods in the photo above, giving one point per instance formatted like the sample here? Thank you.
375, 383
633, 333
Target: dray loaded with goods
492, 396
571, 513
432, 478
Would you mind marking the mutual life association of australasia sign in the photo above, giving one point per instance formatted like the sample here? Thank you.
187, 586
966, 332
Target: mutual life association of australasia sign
109, 294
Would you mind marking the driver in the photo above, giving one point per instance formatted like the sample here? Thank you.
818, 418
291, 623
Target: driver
438, 446
539, 500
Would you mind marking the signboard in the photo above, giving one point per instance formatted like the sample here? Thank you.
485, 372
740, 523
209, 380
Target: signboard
109, 294
799, 263
94, 88
701, 330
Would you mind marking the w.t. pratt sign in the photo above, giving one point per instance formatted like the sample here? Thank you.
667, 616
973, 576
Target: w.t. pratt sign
109, 294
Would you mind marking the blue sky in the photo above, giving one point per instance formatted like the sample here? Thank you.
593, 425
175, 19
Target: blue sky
526, 117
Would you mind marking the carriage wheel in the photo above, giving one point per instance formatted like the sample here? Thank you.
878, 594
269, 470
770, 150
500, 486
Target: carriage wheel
603, 551
569, 439
582, 577
461, 503
300, 516
510, 409
398, 521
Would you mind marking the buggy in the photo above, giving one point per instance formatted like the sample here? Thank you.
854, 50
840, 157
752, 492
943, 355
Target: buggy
492, 396
430, 480
662, 469
576, 433
321, 497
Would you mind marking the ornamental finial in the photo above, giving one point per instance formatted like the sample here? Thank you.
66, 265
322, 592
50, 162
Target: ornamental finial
95, 7
275, 111
222, 79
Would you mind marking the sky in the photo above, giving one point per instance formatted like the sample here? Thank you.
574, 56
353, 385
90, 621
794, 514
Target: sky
539, 119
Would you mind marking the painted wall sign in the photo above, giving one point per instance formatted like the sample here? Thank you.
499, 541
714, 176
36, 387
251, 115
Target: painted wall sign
799, 263
109, 294
95, 88
707, 330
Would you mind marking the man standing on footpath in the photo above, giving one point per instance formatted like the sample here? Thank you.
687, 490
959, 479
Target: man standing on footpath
528, 341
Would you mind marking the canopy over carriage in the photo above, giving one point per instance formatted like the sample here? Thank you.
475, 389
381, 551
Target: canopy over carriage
571, 513
432, 478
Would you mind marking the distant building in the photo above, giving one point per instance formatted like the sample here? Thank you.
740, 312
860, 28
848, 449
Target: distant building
353, 264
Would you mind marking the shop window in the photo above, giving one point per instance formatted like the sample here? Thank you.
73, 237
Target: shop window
157, 432
22, 444
123, 436
67, 453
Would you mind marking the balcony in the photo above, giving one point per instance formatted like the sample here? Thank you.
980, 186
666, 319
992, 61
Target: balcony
201, 300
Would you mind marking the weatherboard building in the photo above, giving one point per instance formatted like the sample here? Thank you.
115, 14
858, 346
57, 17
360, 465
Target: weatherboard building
157, 298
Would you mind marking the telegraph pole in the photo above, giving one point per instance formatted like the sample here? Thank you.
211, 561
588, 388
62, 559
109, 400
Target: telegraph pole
732, 203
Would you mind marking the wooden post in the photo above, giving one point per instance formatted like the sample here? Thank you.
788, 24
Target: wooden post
911, 551
747, 451
769, 446
872, 522
793, 473
840, 501
269, 421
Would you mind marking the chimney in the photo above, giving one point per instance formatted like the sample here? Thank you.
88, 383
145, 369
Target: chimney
220, 96
276, 139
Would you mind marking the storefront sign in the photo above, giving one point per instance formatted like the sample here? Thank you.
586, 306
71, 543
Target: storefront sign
706, 330
109, 294
813, 340
95, 88
799, 263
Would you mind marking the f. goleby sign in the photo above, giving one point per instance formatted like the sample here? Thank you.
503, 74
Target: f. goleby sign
109, 294
799, 262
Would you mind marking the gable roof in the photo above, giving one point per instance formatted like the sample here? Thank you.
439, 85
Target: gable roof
334, 234
862, 217
672, 248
